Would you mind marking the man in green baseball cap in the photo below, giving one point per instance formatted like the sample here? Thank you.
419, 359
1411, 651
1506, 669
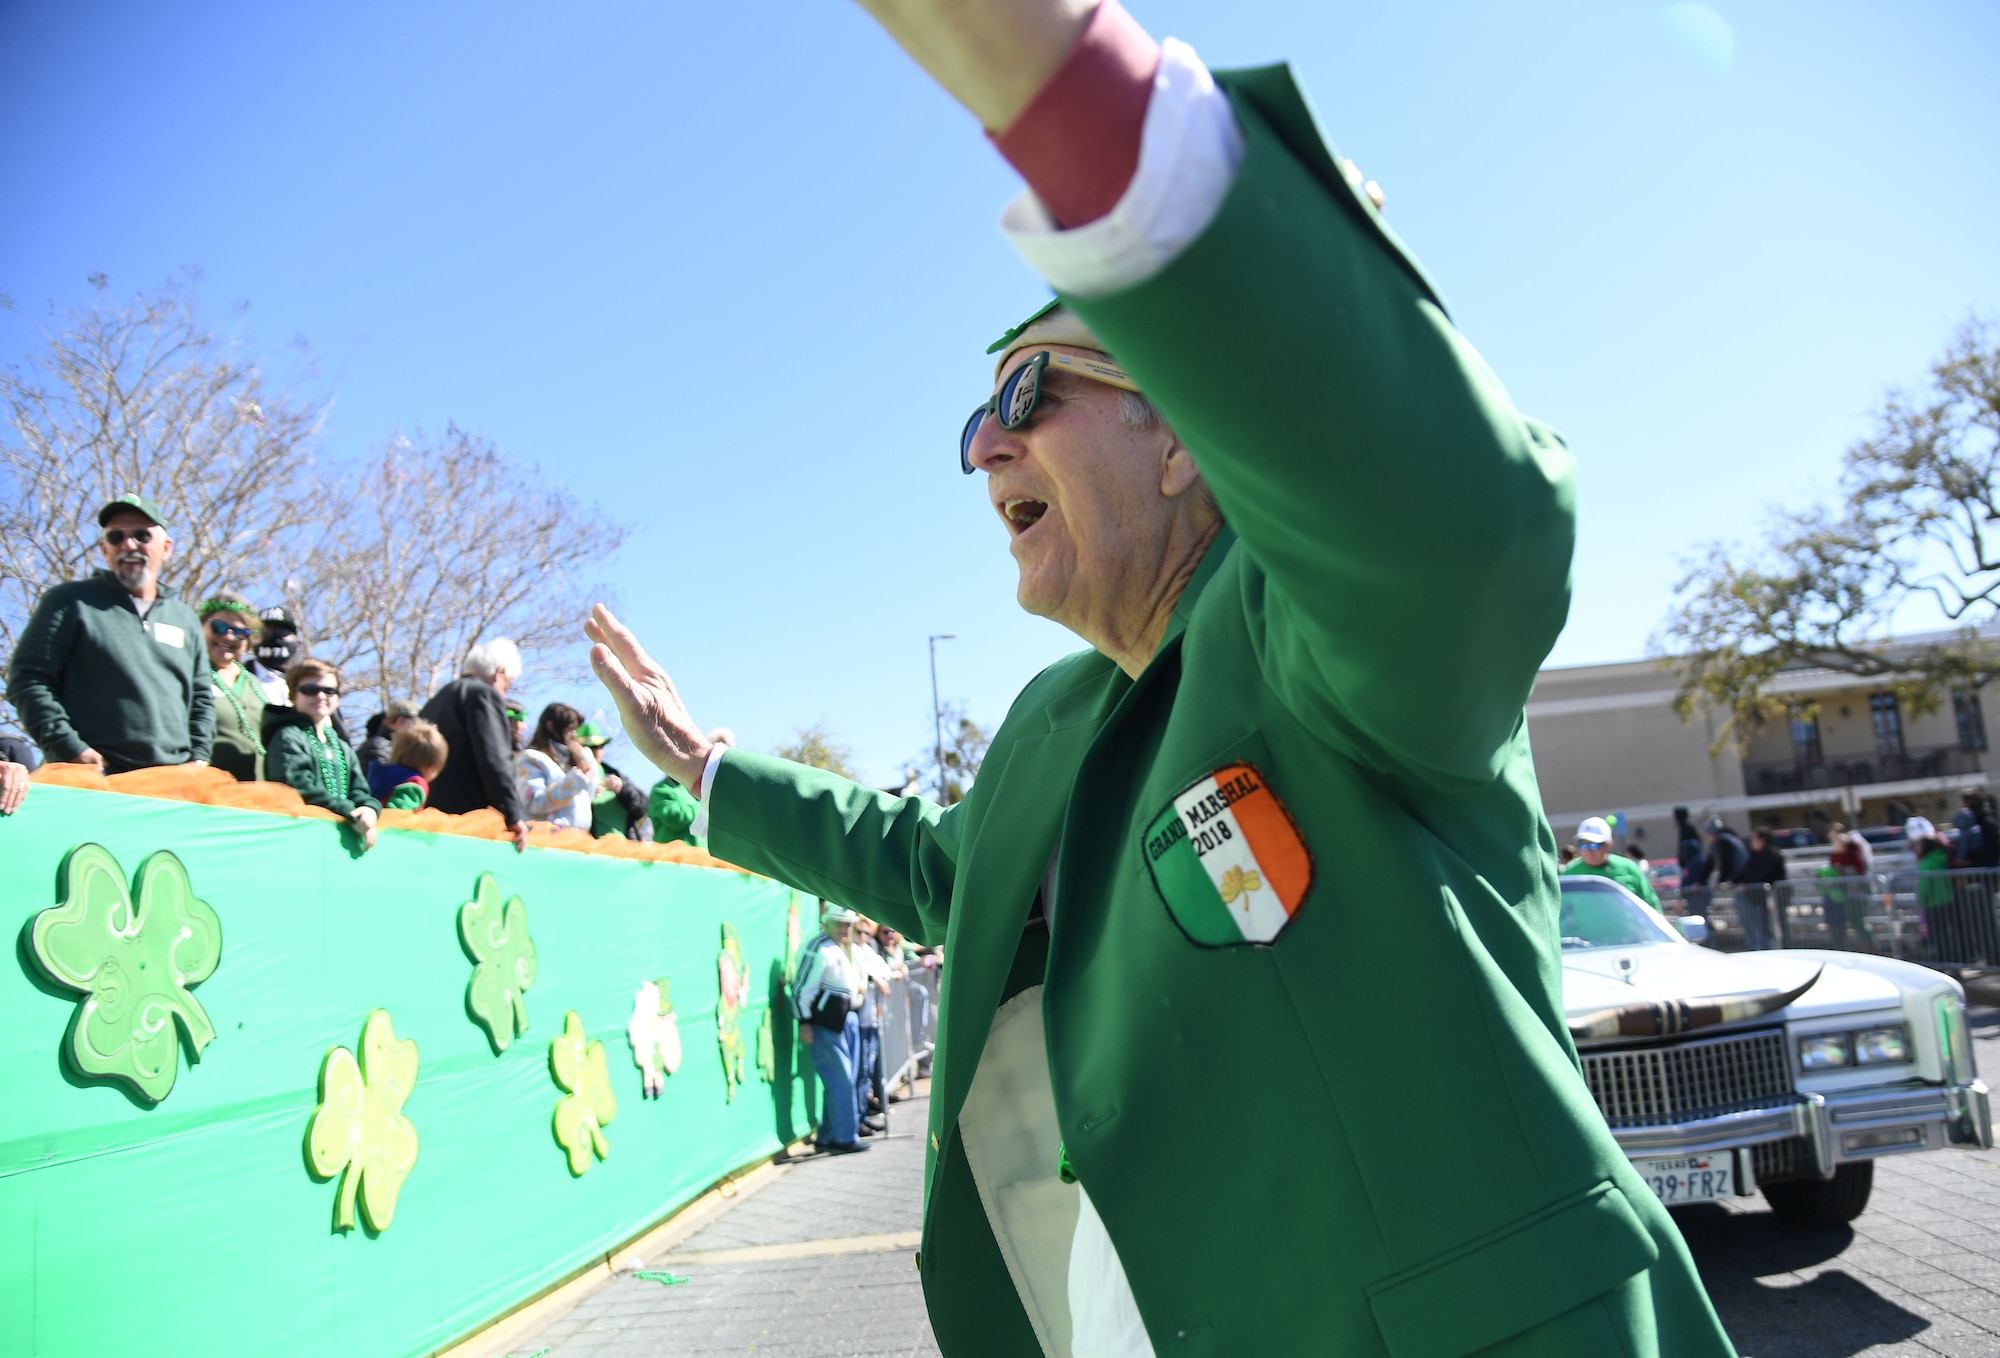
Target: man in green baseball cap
1272, 844
111, 670
618, 807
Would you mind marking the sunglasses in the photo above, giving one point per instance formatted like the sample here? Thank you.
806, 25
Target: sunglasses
318, 690
118, 537
1014, 404
218, 628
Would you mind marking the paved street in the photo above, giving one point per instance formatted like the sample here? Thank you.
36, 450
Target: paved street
818, 1262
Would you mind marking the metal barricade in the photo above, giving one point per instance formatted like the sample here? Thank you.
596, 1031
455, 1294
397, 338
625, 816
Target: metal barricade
1948, 920
909, 1027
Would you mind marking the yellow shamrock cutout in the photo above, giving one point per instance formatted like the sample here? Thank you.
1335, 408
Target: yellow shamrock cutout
359, 1126
582, 1114
1235, 882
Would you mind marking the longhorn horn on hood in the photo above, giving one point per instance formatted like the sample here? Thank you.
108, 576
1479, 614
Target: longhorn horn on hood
1667, 1018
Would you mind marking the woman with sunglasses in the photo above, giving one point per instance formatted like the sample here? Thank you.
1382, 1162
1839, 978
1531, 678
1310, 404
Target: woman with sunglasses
229, 628
303, 751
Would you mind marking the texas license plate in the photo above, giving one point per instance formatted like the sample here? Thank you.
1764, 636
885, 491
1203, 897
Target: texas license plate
1689, 1178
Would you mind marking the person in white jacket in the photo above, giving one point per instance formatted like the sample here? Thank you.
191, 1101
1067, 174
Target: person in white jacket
558, 775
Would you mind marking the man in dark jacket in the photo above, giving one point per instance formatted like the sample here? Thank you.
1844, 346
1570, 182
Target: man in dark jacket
471, 714
111, 670
1764, 893
380, 732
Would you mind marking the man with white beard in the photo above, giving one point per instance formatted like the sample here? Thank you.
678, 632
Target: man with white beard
111, 670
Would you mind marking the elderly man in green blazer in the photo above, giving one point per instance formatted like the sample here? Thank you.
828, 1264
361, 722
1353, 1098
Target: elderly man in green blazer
1273, 844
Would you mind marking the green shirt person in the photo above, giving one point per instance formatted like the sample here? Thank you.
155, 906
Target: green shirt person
111, 670
1273, 843
1594, 858
229, 629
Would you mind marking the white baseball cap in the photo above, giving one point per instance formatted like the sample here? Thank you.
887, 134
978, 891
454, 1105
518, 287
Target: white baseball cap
1595, 830
838, 914
1916, 828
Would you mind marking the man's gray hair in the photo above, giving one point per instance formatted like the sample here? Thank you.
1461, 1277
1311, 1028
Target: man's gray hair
1136, 412
493, 657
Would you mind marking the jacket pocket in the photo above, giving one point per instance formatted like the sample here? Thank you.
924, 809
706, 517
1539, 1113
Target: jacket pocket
1515, 1278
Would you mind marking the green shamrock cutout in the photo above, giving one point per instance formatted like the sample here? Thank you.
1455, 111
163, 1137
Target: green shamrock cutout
134, 965
359, 1126
496, 938
583, 1113
733, 980
767, 1050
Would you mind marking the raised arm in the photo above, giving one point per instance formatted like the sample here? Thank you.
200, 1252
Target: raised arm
893, 857
1414, 528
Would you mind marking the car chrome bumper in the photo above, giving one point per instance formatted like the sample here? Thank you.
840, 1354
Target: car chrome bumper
1859, 1124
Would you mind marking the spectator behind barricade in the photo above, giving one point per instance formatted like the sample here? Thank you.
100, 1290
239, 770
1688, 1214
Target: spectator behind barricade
302, 750
617, 808
1638, 857
901, 952
1693, 859
558, 775
278, 647
111, 670
826, 992
1594, 858
871, 1105
229, 628
15, 750
1988, 853
1728, 857
471, 713
402, 782
379, 735
1765, 896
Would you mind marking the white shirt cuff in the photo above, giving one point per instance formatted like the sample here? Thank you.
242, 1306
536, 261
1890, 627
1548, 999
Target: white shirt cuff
700, 827
1188, 153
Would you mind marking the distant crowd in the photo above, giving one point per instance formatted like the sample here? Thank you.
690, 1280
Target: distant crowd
115, 672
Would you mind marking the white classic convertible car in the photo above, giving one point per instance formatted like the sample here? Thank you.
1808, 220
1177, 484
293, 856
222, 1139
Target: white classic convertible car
1790, 1071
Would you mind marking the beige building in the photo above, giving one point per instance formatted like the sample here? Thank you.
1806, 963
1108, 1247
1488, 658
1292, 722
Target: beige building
1606, 739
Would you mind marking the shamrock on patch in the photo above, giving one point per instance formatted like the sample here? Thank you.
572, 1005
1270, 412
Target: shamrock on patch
134, 964
496, 938
582, 1114
1236, 882
359, 1126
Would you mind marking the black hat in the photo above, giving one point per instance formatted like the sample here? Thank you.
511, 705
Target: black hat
277, 622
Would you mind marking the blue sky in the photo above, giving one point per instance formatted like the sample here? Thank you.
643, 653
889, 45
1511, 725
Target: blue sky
729, 272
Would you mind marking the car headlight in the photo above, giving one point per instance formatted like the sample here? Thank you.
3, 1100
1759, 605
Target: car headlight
1824, 1051
1882, 1046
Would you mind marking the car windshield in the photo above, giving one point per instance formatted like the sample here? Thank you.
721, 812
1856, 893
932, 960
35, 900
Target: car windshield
1600, 914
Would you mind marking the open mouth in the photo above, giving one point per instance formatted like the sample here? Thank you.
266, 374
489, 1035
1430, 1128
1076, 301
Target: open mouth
1021, 515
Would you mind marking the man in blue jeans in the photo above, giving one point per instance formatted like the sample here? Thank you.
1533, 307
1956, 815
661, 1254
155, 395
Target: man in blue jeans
826, 995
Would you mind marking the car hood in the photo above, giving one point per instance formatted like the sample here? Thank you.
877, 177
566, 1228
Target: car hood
1593, 978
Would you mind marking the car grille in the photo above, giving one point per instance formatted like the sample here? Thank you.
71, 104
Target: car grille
1658, 1086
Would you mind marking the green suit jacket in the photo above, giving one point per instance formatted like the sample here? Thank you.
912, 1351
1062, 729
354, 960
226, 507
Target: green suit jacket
1368, 1135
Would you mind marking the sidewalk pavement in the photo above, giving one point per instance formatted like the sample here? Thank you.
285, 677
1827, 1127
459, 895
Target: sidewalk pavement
819, 1261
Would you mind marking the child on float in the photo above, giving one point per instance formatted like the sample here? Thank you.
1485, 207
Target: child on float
302, 751
402, 782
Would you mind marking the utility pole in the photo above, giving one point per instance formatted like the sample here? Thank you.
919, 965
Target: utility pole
937, 710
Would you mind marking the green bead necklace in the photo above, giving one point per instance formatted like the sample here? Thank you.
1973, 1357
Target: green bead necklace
330, 754
236, 706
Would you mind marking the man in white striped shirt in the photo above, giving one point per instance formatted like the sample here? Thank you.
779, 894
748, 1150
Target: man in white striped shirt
826, 997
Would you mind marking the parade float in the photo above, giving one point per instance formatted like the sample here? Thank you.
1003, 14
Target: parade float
270, 1094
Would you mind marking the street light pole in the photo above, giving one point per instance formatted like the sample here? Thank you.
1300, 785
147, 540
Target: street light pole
937, 710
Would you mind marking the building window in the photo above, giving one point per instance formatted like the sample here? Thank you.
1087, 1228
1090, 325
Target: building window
1805, 738
1971, 721
1888, 715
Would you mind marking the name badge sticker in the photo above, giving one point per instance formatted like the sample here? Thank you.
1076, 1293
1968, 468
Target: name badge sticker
1228, 859
169, 635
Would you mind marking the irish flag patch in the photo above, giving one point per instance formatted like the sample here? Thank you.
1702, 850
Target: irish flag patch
1228, 859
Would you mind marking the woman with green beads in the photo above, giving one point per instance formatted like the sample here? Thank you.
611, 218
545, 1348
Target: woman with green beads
304, 752
230, 628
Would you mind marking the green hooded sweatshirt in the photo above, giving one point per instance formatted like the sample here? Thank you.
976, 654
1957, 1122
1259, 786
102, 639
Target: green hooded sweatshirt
90, 673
